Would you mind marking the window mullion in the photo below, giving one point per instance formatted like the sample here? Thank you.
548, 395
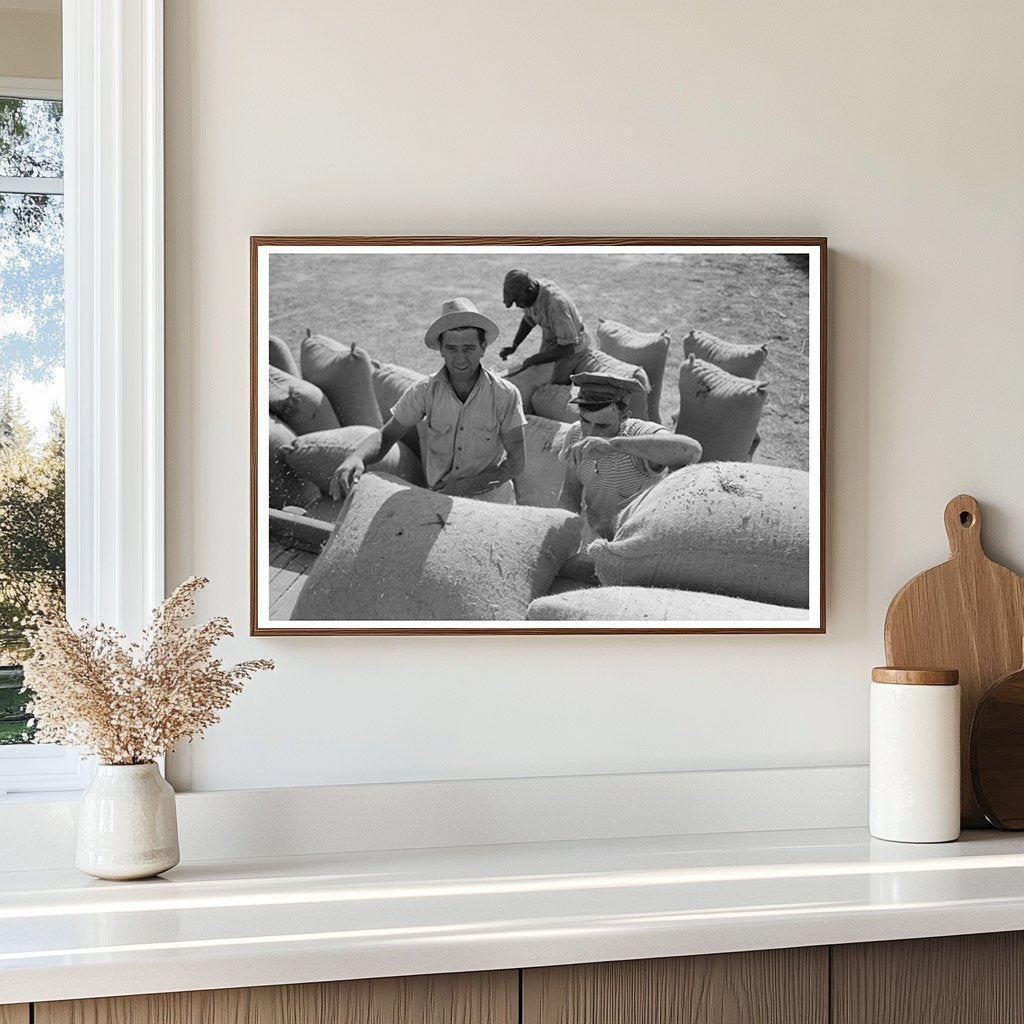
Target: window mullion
32, 186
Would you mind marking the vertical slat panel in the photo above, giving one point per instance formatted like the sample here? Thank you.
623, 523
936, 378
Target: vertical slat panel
480, 998
960, 979
14, 1014
782, 986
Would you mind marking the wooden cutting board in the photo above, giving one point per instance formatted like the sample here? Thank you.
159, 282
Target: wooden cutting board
967, 614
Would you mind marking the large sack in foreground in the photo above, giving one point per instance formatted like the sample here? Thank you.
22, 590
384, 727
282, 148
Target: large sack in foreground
280, 355
540, 482
726, 528
399, 552
315, 457
529, 380
639, 348
285, 487
733, 357
655, 604
300, 404
345, 375
390, 382
593, 360
719, 410
552, 402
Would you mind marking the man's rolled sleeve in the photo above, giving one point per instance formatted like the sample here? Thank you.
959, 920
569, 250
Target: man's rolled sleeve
412, 406
563, 323
512, 416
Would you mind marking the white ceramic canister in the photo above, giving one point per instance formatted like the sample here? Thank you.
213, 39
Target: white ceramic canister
915, 755
127, 825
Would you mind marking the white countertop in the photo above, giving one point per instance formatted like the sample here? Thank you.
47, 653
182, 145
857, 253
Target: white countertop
224, 924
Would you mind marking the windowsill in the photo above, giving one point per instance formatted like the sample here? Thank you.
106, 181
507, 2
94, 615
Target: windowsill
388, 913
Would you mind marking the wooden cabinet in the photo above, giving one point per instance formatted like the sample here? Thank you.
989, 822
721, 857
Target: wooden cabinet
962, 979
967, 979
491, 998
777, 986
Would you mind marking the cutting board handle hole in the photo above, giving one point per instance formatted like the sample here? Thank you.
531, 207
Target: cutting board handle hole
966, 519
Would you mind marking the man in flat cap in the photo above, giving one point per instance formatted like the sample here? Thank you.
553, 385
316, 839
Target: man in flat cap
563, 336
475, 444
610, 457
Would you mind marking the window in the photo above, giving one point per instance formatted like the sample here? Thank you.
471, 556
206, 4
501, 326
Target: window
32, 532
113, 331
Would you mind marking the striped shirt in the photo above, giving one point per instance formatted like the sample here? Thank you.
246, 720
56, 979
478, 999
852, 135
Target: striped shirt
612, 479
558, 318
463, 438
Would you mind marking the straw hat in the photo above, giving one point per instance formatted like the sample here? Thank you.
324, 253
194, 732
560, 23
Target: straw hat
459, 313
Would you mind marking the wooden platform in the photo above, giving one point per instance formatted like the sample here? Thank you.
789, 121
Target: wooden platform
289, 568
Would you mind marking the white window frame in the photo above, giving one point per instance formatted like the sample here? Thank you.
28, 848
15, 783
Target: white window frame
114, 323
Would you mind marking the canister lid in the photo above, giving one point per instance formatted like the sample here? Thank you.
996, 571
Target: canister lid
916, 676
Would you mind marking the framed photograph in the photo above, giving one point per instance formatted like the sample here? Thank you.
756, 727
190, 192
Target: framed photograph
537, 435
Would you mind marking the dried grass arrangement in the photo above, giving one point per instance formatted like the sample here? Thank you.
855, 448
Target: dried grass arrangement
129, 703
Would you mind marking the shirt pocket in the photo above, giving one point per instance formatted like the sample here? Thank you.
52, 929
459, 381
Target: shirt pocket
483, 441
440, 427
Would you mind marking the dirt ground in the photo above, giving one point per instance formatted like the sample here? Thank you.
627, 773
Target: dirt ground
384, 303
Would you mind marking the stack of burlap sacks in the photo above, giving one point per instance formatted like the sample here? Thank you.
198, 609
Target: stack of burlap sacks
721, 541
321, 408
724, 540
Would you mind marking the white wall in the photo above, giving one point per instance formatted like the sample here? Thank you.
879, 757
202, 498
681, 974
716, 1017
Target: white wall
30, 42
894, 129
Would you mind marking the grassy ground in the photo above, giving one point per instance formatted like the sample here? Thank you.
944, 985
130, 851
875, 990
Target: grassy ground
384, 303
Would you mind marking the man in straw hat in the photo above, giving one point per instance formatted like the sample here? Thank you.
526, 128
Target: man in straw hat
563, 336
474, 444
610, 457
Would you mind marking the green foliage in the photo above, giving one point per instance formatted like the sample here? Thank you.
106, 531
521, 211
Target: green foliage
31, 525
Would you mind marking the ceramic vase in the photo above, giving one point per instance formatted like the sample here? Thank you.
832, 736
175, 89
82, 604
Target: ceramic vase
127, 825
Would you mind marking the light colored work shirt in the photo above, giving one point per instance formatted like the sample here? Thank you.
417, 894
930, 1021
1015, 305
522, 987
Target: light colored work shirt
556, 315
462, 438
611, 480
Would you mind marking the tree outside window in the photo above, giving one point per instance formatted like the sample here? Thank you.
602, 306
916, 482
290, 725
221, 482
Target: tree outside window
32, 543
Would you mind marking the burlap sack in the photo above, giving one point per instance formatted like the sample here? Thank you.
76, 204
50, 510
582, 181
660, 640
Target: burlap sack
285, 487
315, 457
344, 374
552, 402
564, 585
739, 529
639, 348
593, 360
540, 483
739, 360
299, 403
529, 380
653, 604
390, 382
404, 553
719, 410
281, 356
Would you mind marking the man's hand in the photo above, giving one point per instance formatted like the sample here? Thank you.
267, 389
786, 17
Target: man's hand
346, 476
508, 350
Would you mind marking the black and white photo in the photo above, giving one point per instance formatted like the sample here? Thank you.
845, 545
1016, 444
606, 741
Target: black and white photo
537, 435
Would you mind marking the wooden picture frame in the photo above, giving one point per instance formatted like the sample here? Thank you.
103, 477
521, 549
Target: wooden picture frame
752, 560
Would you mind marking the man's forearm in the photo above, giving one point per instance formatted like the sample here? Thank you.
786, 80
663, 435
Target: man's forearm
542, 357
672, 450
524, 329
